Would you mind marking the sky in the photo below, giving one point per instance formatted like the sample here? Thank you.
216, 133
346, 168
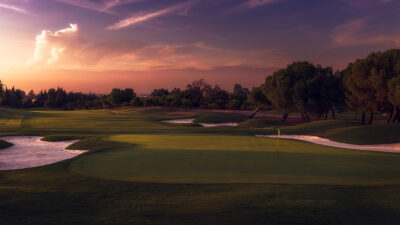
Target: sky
97, 45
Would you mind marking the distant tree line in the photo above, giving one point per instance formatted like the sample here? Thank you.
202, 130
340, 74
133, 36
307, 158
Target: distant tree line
52, 98
370, 85
198, 94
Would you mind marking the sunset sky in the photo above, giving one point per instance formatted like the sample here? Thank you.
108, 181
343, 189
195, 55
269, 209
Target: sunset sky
96, 45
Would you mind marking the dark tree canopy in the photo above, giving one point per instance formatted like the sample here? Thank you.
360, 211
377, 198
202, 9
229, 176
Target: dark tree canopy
371, 81
1, 92
368, 85
303, 87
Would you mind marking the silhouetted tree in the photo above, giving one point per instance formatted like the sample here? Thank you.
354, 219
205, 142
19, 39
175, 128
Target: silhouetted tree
394, 97
279, 88
239, 93
196, 92
366, 82
119, 97
1, 92
257, 97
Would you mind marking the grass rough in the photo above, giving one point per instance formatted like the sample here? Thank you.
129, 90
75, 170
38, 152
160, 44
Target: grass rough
5, 144
55, 138
218, 118
142, 171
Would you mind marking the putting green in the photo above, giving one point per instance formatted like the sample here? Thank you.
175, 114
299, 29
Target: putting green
205, 158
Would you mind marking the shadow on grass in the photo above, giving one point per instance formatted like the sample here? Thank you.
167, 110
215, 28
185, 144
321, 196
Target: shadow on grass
5, 144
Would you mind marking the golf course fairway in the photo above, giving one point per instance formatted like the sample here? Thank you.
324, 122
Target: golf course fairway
236, 159
141, 170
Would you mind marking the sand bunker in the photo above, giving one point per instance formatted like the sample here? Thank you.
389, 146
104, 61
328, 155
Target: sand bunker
30, 151
323, 141
188, 121
218, 124
181, 121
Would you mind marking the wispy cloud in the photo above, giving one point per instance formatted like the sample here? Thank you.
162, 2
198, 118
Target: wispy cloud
257, 3
65, 49
250, 4
99, 6
356, 32
14, 8
183, 7
366, 3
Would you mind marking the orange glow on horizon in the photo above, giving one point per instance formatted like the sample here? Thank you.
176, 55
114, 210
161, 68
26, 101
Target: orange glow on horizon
141, 81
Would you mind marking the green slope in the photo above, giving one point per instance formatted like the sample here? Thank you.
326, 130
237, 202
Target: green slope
236, 159
144, 171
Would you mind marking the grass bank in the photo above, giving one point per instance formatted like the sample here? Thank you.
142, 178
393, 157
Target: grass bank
143, 171
4, 144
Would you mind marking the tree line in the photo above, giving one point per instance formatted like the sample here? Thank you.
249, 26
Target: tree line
52, 98
198, 94
368, 86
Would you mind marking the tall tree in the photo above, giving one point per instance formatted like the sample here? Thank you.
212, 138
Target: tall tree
366, 81
279, 88
318, 92
394, 98
1, 92
257, 97
239, 93
197, 92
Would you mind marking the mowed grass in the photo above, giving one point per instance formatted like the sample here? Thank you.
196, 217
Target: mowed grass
80, 124
348, 132
11, 119
218, 118
262, 123
236, 159
54, 195
141, 170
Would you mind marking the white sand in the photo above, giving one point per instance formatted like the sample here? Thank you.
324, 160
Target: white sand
218, 124
30, 151
181, 121
188, 121
323, 141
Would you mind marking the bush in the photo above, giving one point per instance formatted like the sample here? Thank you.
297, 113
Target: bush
187, 103
136, 102
176, 103
233, 104
213, 106
248, 106
124, 104
148, 102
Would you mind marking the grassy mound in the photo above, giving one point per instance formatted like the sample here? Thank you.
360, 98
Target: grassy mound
375, 134
262, 123
4, 144
96, 144
197, 158
11, 119
218, 118
314, 127
348, 132
161, 158
55, 138
185, 125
